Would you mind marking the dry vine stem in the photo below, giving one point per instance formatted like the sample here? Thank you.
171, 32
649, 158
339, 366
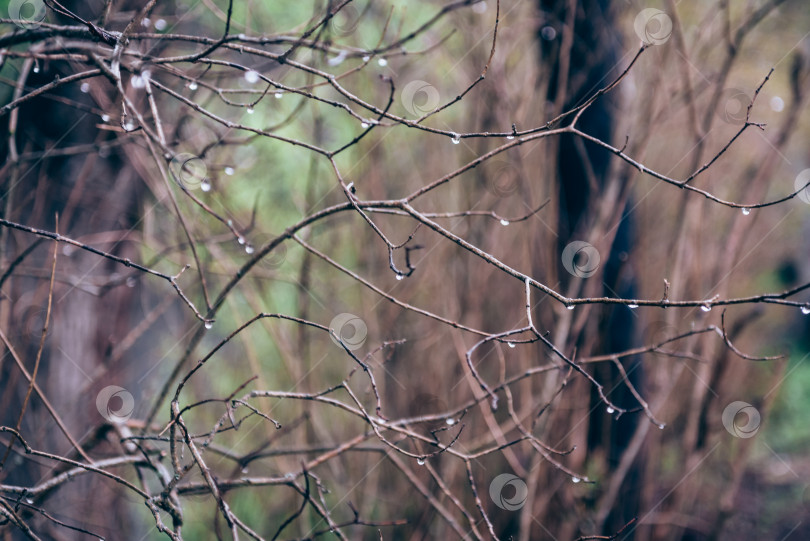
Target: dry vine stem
398, 308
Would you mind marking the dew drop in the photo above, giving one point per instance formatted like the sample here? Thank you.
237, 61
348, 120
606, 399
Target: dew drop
241, 240
364, 125
420, 461
137, 81
249, 248
746, 211
570, 306
382, 62
230, 223
366, 58
706, 308
510, 137
511, 345
242, 36
661, 426
209, 324
205, 186
632, 306
494, 403
250, 110
279, 95
244, 470
456, 139
229, 171
85, 88
105, 118
450, 421
806, 310
610, 409
36, 69
129, 126
192, 85
251, 76
504, 222
400, 277
160, 24
576, 479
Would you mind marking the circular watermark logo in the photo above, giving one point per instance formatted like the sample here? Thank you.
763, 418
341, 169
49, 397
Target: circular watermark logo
653, 26
504, 179
419, 97
732, 108
350, 329
190, 171
508, 499
115, 404
801, 181
658, 333
580, 259
345, 22
27, 13
734, 415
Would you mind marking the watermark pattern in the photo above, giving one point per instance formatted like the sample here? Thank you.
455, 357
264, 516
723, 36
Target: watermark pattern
658, 332
581, 259
419, 97
732, 108
735, 428
508, 503
801, 181
30, 318
503, 181
345, 22
351, 330
27, 13
653, 26
115, 404
190, 171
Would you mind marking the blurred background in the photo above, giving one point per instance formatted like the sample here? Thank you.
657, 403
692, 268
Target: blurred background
226, 138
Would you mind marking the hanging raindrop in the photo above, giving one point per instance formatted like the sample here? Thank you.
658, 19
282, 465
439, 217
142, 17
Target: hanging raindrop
420, 461
576, 479
632, 306
504, 222
456, 139
249, 249
746, 211
205, 185
192, 85
610, 409
250, 110
400, 277
706, 308
229, 171
450, 421
279, 95
511, 344
806, 310
209, 324
382, 62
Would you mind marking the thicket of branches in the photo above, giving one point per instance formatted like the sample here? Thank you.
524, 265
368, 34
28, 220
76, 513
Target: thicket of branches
313, 270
